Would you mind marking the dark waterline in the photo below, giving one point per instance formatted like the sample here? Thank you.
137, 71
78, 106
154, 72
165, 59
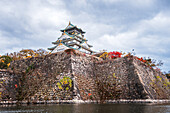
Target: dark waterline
88, 108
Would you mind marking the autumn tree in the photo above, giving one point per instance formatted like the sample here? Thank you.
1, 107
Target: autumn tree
5, 62
28, 53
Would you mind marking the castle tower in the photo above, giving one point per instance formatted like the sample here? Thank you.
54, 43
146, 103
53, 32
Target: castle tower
71, 38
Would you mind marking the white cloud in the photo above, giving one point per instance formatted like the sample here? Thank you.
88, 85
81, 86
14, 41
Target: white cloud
160, 22
145, 33
135, 3
33, 23
120, 41
149, 38
7, 44
110, 1
80, 3
142, 3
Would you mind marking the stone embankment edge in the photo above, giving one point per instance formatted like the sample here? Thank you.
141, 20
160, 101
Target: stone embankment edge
86, 102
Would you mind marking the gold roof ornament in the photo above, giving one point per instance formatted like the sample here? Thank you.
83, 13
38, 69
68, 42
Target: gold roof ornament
60, 44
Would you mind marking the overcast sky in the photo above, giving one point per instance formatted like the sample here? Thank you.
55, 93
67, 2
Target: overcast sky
122, 25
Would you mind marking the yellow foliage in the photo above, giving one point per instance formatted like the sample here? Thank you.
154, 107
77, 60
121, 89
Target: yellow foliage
58, 83
151, 83
63, 81
29, 56
168, 83
123, 53
129, 54
2, 61
67, 88
8, 64
59, 87
104, 54
159, 78
28, 53
165, 85
114, 75
36, 55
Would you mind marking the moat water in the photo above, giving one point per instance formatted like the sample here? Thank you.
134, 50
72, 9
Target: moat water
88, 108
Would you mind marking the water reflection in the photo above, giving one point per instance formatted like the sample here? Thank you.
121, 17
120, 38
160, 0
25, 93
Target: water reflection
88, 108
121, 108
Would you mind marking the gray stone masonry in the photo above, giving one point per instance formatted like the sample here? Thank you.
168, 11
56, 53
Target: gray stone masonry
37, 79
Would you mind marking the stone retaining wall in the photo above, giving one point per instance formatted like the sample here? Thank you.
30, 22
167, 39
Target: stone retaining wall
135, 79
82, 68
123, 70
7, 89
39, 76
37, 79
155, 84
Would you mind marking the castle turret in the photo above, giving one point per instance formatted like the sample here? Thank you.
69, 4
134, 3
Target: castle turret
71, 38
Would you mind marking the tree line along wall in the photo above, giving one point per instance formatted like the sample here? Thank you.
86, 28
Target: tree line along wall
43, 78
